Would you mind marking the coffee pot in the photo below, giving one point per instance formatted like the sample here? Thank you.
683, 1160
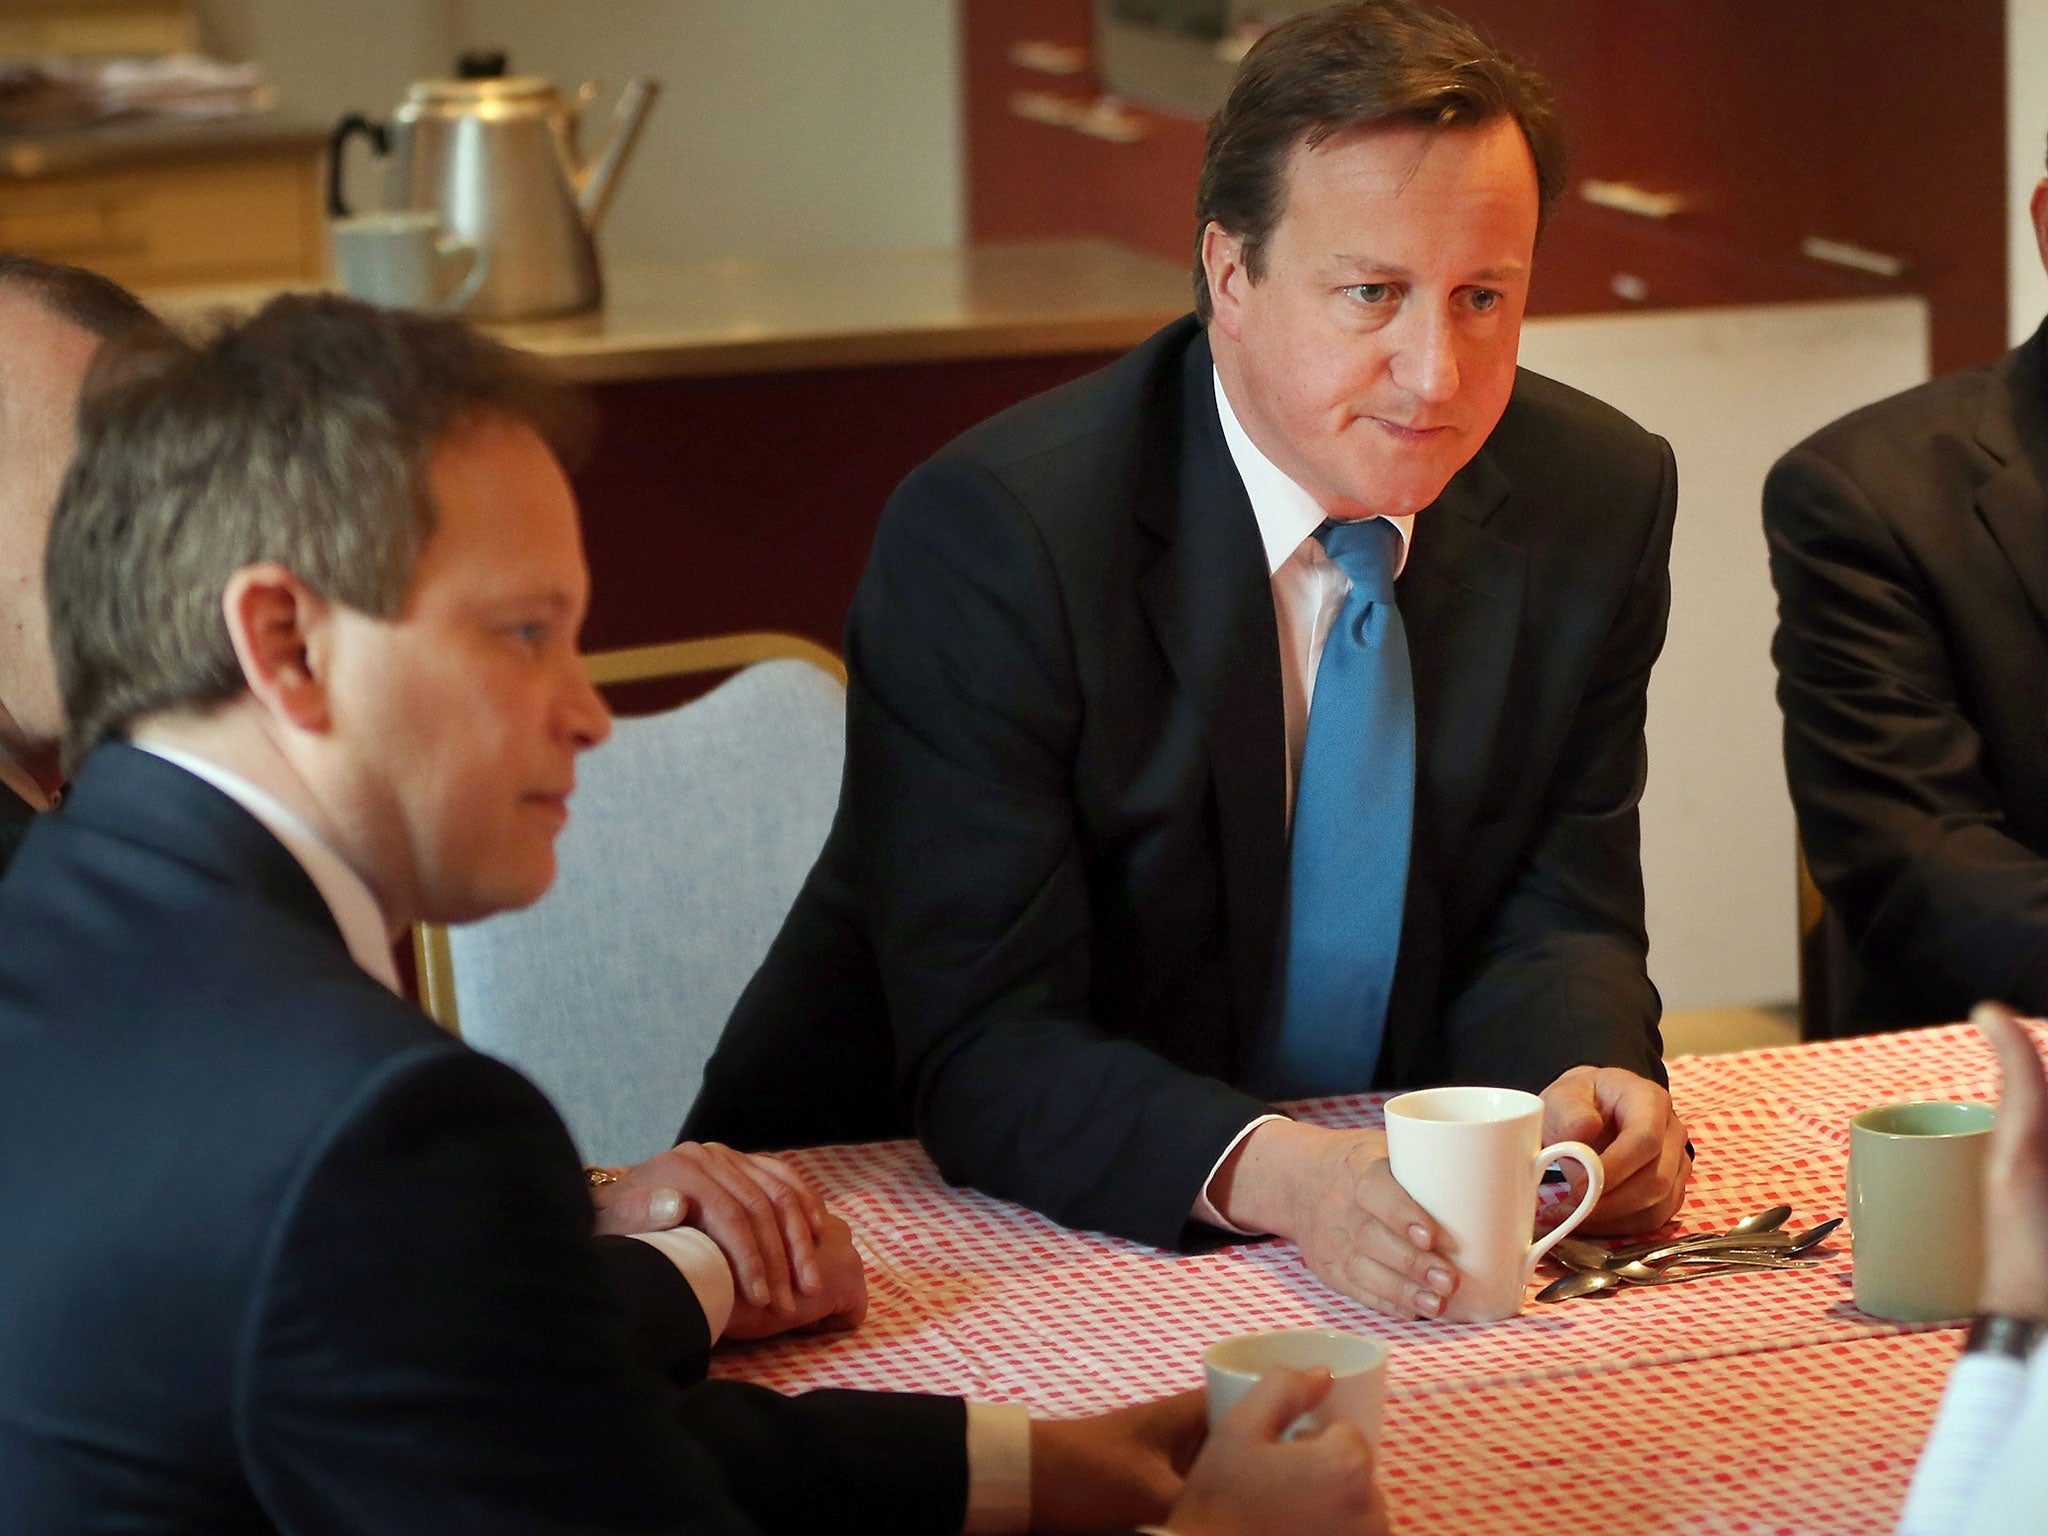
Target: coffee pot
495, 157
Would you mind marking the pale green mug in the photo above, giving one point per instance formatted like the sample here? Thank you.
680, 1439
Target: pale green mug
1916, 1208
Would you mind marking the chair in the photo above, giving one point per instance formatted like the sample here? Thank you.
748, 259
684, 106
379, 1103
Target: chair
689, 836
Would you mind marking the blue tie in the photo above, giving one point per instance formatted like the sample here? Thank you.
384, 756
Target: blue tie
1353, 820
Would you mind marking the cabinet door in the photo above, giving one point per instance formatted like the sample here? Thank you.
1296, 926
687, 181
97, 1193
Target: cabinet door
1876, 125
252, 218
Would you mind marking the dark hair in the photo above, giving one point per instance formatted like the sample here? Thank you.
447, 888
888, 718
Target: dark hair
303, 436
1354, 66
86, 299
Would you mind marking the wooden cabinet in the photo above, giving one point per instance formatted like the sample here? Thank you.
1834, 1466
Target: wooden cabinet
1876, 125
170, 205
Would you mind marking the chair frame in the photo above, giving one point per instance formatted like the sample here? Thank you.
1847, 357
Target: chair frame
432, 958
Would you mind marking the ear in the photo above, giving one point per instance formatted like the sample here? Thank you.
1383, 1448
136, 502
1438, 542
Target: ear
279, 626
2038, 207
1223, 267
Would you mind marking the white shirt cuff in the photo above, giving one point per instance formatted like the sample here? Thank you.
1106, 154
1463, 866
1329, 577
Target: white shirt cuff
998, 1469
1205, 1209
1978, 1407
703, 1266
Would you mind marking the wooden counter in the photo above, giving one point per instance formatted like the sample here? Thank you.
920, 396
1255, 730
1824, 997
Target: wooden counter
862, 309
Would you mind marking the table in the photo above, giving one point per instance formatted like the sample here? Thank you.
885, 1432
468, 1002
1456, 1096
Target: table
1741, 1406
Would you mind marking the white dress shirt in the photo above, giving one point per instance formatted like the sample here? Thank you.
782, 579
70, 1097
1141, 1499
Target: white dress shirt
1982, 1472
998, 1435
1308, 592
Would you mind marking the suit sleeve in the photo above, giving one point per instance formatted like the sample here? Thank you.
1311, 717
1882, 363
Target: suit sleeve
1901, 824
435, 1342
1560, 975
963, 720
665, 1323
799, 1464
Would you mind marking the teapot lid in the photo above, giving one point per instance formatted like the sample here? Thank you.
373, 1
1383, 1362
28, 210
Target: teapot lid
507, 91
480, 79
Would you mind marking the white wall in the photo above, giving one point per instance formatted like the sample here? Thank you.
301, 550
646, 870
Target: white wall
2026, 137
1731, 389
326, 57
783, 125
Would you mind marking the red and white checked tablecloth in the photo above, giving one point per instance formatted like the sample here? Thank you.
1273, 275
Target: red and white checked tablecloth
1752, 1404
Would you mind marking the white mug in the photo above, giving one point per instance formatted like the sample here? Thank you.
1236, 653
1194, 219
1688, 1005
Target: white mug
1471, 1158
1231, 1367
403, 261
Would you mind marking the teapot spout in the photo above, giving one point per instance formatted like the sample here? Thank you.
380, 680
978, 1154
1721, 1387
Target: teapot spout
599, 179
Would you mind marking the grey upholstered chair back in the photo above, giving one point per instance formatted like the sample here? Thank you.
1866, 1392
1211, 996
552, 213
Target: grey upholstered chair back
688, 838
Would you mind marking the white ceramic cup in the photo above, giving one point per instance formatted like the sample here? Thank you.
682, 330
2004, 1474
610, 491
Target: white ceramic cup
403, 261
1231, 1367
1472, 1158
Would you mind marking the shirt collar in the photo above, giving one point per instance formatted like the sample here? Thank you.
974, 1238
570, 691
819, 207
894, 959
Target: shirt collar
1286, 513
348, 897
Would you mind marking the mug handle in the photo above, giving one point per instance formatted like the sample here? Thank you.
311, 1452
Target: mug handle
475, 268
1596, 1181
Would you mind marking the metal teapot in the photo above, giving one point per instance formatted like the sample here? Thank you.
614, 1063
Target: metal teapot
496, 158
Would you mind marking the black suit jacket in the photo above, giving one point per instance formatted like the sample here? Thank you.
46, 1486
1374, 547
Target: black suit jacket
1052, 896
275, 1253
16, 816
1909, 544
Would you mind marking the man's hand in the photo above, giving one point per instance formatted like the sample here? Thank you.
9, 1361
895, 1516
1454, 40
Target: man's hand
837, 1305
1116, 1470
1250, 1480
765, 1219
2016, 1178
1332, 1193
1629, 1121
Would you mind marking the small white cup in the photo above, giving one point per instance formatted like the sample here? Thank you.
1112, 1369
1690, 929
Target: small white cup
1471, 1158
1231, 1367
402, 260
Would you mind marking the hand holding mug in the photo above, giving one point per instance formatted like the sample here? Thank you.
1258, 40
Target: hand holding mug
1471, 1158
1249, 1478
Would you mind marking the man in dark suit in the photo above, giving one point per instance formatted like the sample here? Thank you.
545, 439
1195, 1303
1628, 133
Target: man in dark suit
1101, 880
52, 320
274, 1252
1909, 545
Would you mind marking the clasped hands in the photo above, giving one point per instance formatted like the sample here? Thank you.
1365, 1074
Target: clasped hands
1332, 1193
793, 1262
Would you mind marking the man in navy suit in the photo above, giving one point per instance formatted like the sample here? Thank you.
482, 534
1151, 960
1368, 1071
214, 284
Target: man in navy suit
1258, 718
760, 1218
274, 1252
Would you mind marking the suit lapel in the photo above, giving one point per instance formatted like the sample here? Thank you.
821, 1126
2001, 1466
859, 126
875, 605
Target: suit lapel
1210, 604
1461, 600
2013, 502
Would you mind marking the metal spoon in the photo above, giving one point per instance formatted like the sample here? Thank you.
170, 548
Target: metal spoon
1590, 1282
1577, 1253
1813, 1236
1651, 1274
1767, 1220
1760, 1247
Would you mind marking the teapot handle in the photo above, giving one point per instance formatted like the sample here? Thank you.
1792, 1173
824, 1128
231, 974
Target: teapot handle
355, 123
